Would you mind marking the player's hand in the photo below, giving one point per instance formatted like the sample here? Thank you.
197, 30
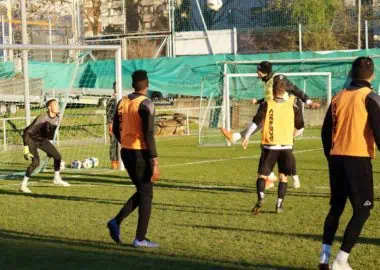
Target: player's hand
27, 154
110, 131
245, 142
156, 171
254, 101
314, 105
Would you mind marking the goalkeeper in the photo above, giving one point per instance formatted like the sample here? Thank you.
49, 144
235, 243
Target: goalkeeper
277, 117
37, 136
265, 73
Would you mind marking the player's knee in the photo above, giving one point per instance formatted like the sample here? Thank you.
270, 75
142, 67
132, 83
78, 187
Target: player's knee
261, 176
283, 178
337, 210
362, 214
58, 157
35, 162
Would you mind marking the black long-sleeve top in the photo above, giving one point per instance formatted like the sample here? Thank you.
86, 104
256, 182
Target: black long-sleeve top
42, 128
290, 87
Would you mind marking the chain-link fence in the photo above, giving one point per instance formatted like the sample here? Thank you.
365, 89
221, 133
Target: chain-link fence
279, 25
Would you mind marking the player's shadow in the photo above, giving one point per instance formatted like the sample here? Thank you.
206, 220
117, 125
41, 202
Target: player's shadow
201, 210
66, 253
314, 237
61, 197
95, 179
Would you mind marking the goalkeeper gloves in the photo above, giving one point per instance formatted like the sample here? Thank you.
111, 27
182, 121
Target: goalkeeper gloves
27, 154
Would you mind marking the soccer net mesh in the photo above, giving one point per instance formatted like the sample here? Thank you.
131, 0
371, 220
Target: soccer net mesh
82, 82
230, 106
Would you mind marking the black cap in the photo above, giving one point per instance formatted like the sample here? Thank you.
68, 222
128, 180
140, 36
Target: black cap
264, 67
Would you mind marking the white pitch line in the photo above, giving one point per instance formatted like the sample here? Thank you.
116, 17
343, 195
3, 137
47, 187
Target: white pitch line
228, 159
201, 162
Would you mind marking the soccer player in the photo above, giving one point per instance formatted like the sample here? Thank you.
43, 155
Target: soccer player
265, 73
277, 117
37, 136
133, 127
110, 112
349, 133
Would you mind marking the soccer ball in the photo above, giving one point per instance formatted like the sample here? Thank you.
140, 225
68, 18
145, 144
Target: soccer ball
76, 164
87, 163
214, 5
272, 177
63, 165
95, 162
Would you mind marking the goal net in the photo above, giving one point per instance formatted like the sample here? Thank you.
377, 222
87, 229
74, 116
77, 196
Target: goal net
231, 105
81, 79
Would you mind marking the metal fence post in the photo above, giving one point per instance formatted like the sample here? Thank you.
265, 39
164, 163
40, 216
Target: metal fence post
105, 128
5, 134
187, 122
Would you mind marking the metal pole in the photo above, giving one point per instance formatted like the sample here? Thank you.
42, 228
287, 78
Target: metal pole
366, 34
119, 90
50, 41
10, 29
105, 128
235, 41
300, 36
164, 42
3, 36
124, 47
329, 94
5, 135
359, 23
25, 62
187, 123
124, 17
205, 27
173, 45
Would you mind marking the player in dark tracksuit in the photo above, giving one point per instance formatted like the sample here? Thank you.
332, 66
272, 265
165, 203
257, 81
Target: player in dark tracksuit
37, 136
110, 112
350, 132
133, 127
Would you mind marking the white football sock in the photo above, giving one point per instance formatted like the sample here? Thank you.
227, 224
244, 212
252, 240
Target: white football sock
342, 256
325, 254
279, 201
56, 174
296, 178
236, 136
25, 181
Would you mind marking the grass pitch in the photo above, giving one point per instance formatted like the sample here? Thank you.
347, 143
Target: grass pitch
201, 215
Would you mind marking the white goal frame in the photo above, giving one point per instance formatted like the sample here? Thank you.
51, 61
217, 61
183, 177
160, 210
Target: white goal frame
25, 48
225, 107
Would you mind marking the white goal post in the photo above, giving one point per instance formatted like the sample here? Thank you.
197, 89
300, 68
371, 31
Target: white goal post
80, 131
36, 47
210, 135
226, 90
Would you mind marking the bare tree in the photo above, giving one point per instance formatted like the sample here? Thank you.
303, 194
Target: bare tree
94, 18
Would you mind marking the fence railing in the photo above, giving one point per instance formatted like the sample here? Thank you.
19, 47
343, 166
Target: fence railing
4, 127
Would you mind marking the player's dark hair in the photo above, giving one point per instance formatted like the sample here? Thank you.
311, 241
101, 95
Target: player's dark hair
50, 101
362, 68
279, 87
140, 80
265, 67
